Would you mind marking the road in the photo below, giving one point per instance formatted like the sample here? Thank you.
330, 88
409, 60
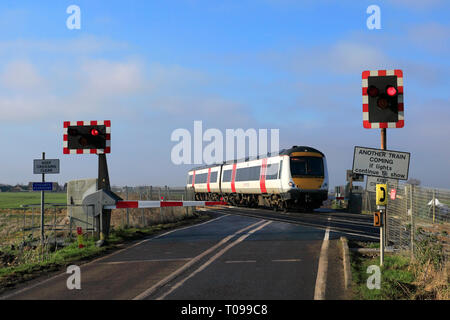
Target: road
240, 253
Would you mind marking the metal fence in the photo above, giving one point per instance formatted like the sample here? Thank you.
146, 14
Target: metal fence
19, 226
146, 217
417, 216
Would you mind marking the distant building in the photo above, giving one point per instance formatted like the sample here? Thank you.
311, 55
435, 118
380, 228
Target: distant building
18, 189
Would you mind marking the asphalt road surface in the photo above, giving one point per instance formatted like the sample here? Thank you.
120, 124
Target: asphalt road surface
239, 254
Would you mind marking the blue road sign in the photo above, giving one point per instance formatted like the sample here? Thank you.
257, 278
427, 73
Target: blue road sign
42, 186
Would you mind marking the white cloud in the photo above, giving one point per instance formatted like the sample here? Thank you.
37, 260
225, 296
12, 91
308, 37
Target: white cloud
350, 57
431, 36
92, 86
417, 4
103, 77
76, 46
19, 75
101, 87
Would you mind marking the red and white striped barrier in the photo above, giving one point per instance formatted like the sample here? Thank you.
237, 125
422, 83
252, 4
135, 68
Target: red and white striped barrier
162, 204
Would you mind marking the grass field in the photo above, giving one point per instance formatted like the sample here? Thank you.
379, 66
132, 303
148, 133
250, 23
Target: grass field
10, 200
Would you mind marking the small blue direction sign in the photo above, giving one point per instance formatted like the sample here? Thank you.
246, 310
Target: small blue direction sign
42, 186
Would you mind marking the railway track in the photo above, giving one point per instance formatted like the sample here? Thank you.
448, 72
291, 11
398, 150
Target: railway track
354, 226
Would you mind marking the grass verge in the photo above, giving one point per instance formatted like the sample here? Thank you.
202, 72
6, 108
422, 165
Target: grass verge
397, 280
19, 265
426, 277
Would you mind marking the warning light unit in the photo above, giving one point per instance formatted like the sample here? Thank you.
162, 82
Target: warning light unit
382, 92
87, 137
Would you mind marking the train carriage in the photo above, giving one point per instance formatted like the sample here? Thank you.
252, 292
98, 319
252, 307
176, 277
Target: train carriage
295, 178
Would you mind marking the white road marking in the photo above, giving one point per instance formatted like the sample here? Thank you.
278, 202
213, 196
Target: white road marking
174, 274
213, 258
287, 260
321, 280
252, 261
149, 260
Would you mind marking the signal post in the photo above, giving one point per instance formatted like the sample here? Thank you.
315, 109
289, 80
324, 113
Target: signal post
93, 137
383, 107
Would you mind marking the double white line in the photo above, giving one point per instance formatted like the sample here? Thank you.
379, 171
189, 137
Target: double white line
258, 226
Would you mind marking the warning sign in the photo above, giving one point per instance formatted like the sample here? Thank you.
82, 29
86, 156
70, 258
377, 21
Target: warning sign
373, 181
381, 163
45, 166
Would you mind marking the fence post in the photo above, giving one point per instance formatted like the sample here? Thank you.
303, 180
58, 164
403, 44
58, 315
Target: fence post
411, 192
32, 223
434, 204
54, 228
161, 217
23, 229
406, 209
142, 209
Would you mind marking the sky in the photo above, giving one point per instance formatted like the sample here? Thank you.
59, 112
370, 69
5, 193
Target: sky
152, 67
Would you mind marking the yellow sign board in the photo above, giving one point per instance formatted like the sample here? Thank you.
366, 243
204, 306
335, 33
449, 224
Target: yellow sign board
381, 194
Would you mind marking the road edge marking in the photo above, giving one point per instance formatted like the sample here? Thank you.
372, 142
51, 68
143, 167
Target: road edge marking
321, 280
346, 262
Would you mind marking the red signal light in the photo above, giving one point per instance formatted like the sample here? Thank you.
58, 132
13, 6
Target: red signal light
372, 91
391, 91
94, 132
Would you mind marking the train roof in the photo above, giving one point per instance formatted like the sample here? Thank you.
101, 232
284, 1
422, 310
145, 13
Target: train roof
281, 152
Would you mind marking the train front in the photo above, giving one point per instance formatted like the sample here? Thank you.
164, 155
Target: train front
308, 179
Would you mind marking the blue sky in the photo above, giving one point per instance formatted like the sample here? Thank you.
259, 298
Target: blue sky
154, 66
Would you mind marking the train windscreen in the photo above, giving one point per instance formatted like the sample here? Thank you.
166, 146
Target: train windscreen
306, 166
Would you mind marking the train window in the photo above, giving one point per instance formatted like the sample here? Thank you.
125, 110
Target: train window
255, 172
190, 179
226, 176
201, 178
248, 174
306, 166
242, 174
272, 171
213, 177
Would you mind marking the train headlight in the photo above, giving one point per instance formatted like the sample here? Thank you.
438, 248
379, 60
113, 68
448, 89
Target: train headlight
291, 184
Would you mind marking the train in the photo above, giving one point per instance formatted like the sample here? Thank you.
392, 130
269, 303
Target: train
294, 178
